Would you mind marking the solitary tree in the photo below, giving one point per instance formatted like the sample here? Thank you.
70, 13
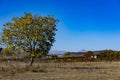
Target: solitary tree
34, 33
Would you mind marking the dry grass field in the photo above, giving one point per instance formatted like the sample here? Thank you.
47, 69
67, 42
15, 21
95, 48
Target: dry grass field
60, 71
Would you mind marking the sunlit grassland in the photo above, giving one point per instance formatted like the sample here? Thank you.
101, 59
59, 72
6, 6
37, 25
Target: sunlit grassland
60, 71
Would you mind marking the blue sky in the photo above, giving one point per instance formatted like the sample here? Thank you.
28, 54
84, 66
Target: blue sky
84, 24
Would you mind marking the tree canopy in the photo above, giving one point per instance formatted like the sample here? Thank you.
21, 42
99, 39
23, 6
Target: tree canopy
33, 33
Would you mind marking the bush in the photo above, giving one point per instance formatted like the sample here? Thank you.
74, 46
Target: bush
66, 54
88, 54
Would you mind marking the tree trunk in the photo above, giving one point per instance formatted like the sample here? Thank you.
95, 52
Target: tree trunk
31, 61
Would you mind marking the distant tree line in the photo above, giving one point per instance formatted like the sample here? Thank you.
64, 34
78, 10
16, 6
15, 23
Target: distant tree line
105, 55
109, 55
